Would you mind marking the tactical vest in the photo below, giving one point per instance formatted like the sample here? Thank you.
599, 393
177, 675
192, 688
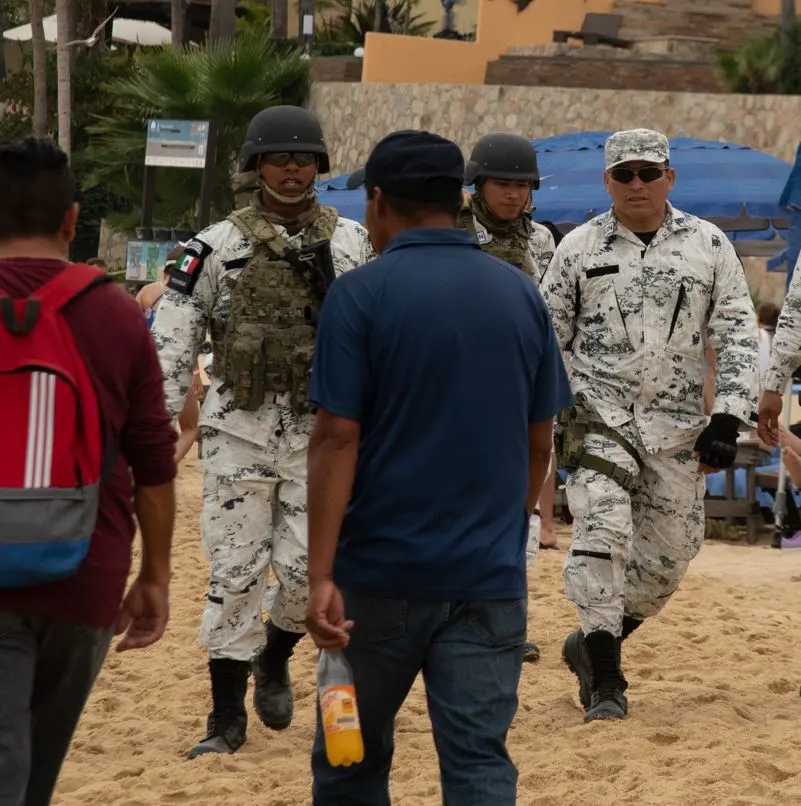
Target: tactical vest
268, 341
511, 247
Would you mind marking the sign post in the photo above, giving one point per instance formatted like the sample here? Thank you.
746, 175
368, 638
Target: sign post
171, 144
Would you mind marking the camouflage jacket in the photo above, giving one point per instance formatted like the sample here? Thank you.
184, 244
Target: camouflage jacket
785, 352
638, 320
183, 320
540, 246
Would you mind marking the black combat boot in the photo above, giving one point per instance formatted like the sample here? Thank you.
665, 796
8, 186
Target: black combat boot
608, 700
272, 694
226, 726
577, 658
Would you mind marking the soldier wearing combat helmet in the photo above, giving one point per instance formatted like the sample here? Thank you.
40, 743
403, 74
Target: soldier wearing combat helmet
256, 280
503, 169
640, 293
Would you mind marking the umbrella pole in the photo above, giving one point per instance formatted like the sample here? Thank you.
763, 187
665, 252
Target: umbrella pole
780, 503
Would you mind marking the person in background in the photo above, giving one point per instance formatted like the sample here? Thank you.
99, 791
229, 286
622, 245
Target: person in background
422, 478
54, 637
150, 295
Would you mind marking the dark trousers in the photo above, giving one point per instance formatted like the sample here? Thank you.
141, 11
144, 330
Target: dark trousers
47, 669
470, 654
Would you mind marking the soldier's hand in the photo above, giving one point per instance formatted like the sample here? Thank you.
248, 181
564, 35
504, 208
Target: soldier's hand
770, 407
716, 446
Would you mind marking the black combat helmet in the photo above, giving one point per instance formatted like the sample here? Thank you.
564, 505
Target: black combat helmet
503, 156
283, 128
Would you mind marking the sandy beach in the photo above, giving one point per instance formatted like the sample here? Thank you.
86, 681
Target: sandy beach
714, 699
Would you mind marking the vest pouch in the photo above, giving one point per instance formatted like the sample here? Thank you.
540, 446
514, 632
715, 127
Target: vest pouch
301, 376
569, 439
245, 365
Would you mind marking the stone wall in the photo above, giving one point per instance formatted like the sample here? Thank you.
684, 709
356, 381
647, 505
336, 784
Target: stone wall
622, 74
356, 116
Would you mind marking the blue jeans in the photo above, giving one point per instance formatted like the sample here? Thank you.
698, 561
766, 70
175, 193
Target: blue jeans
470, 654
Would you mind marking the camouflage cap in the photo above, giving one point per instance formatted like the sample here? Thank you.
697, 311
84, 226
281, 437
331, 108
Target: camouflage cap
636, 145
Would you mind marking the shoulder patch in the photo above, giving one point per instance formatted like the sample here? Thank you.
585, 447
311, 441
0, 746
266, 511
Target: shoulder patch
187, 268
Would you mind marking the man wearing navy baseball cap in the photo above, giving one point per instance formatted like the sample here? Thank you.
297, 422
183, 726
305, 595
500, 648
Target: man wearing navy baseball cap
436, 378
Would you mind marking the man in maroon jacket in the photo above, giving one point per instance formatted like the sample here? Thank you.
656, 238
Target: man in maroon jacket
54, 637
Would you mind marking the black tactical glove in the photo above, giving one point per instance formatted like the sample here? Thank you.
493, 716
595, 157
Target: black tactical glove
717, 443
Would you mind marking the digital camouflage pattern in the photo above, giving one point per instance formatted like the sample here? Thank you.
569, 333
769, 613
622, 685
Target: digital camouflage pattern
268, 344
182, 321
254, 519
262, 453
639, 320
785, 353
522, 242
630, 552
636, 145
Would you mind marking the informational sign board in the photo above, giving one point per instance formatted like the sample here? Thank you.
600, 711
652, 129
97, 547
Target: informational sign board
144, 260
177, 143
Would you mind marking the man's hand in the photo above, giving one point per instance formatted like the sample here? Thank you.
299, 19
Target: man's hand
144, 614
325, 616
770, 407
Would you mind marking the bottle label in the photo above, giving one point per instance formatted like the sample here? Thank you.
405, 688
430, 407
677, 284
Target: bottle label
338, 708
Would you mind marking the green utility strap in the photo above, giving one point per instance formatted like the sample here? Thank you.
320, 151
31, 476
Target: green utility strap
615, 472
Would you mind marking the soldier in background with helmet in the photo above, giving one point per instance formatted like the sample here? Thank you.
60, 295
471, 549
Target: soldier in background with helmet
503, 169
640, 292
256, 280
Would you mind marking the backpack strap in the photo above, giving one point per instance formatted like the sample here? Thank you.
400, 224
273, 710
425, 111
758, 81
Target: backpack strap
68, 284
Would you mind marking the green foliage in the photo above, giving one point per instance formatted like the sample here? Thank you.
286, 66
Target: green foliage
92, 69
767, 65
355, 21
252, 14
227, 83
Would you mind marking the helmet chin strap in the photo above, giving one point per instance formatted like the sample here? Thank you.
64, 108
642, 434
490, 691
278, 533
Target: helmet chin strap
309, 193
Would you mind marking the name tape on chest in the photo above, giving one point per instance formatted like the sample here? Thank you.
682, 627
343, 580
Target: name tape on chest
186, 271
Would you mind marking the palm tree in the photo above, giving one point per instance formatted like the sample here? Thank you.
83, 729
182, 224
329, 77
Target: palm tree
222, 24
280, 20
225, 82
64, 73
788, 18
177, 22
39, 69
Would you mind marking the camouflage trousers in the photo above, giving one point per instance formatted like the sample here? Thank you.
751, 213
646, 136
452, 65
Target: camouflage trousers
630, 552
254, 518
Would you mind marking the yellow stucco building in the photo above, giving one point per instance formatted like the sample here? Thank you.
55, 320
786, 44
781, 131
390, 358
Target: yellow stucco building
499, 26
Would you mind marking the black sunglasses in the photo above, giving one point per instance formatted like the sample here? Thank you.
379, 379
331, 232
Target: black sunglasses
650, 173
281, 158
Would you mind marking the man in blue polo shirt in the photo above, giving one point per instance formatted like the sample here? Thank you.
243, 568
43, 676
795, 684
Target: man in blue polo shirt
436, 376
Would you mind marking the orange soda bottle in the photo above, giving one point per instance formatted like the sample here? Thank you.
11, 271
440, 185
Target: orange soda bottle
340, 714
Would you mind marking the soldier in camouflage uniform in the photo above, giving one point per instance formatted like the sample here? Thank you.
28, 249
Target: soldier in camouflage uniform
256, 280
785, 358
639, 292
503, 169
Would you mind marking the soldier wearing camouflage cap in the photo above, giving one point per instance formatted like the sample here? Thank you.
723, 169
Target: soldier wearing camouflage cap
254, 280
640, 294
